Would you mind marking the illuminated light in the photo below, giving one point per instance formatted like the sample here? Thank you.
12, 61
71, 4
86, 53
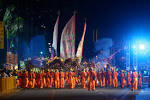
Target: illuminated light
49, 43
141, 46
41, 52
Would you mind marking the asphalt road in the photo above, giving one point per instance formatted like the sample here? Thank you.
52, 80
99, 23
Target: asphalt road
80, 94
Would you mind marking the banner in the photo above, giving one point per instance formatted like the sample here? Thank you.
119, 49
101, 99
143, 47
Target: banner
1, 35
55, 35
80, 47
67, 44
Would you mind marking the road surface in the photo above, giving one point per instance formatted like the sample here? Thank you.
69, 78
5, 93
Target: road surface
80, 94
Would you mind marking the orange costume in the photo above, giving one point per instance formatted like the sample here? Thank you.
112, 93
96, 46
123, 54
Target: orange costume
70, 80
87, 77
79, 79
19, 80
134, 81
115, 79
107, 78
33, 80
110, 78
103, 78
48, 79
140, 80
51, 79
83, 79
40, 81
67, 79
76, 78
30, 80
129, 78
57, 83
62, 79
123, 80
95, 77
99, 77
26, 80
44, 79
91, 85
74, 82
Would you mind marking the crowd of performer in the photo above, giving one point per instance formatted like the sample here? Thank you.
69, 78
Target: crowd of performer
85, 78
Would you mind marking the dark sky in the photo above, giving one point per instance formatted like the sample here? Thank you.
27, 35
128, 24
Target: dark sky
120, 20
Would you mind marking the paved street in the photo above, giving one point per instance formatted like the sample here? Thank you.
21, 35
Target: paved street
81, 94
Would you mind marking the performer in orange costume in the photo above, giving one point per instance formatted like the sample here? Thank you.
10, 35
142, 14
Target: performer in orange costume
30, 79
95, 77
83, 79
73, 76
88, 76
48, 79
19, 80
41, 79
33, 79
44, 78
110, 78
70, 78
129, 78
99, 77
107, 77
38, 79
91, 85
56, 74
51, 78
79, 78
62, 79
134, 80
123, 80
115, 79
140, 80
103, 77
76, 78
26, 80
67, 79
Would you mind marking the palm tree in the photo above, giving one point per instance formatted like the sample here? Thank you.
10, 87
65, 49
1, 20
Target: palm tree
13, 26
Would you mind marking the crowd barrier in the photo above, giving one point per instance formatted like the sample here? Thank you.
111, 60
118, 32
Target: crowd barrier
7, 85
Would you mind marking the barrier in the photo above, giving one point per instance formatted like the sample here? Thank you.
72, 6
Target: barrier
7, 85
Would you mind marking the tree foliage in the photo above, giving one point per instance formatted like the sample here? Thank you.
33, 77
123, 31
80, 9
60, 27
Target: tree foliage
13, 23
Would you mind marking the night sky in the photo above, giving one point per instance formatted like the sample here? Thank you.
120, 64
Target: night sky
121, 20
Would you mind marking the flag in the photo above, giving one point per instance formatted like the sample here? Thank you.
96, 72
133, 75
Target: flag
55, 35
80, 47
67, 45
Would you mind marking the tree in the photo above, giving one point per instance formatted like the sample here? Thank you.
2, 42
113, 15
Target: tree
13, 26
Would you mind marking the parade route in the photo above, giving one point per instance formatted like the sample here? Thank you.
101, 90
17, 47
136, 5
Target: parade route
80, 94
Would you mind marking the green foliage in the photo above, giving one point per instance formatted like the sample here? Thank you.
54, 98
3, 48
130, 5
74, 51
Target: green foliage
13, 23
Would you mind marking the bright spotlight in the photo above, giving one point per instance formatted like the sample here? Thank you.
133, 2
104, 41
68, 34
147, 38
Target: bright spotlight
141, 47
